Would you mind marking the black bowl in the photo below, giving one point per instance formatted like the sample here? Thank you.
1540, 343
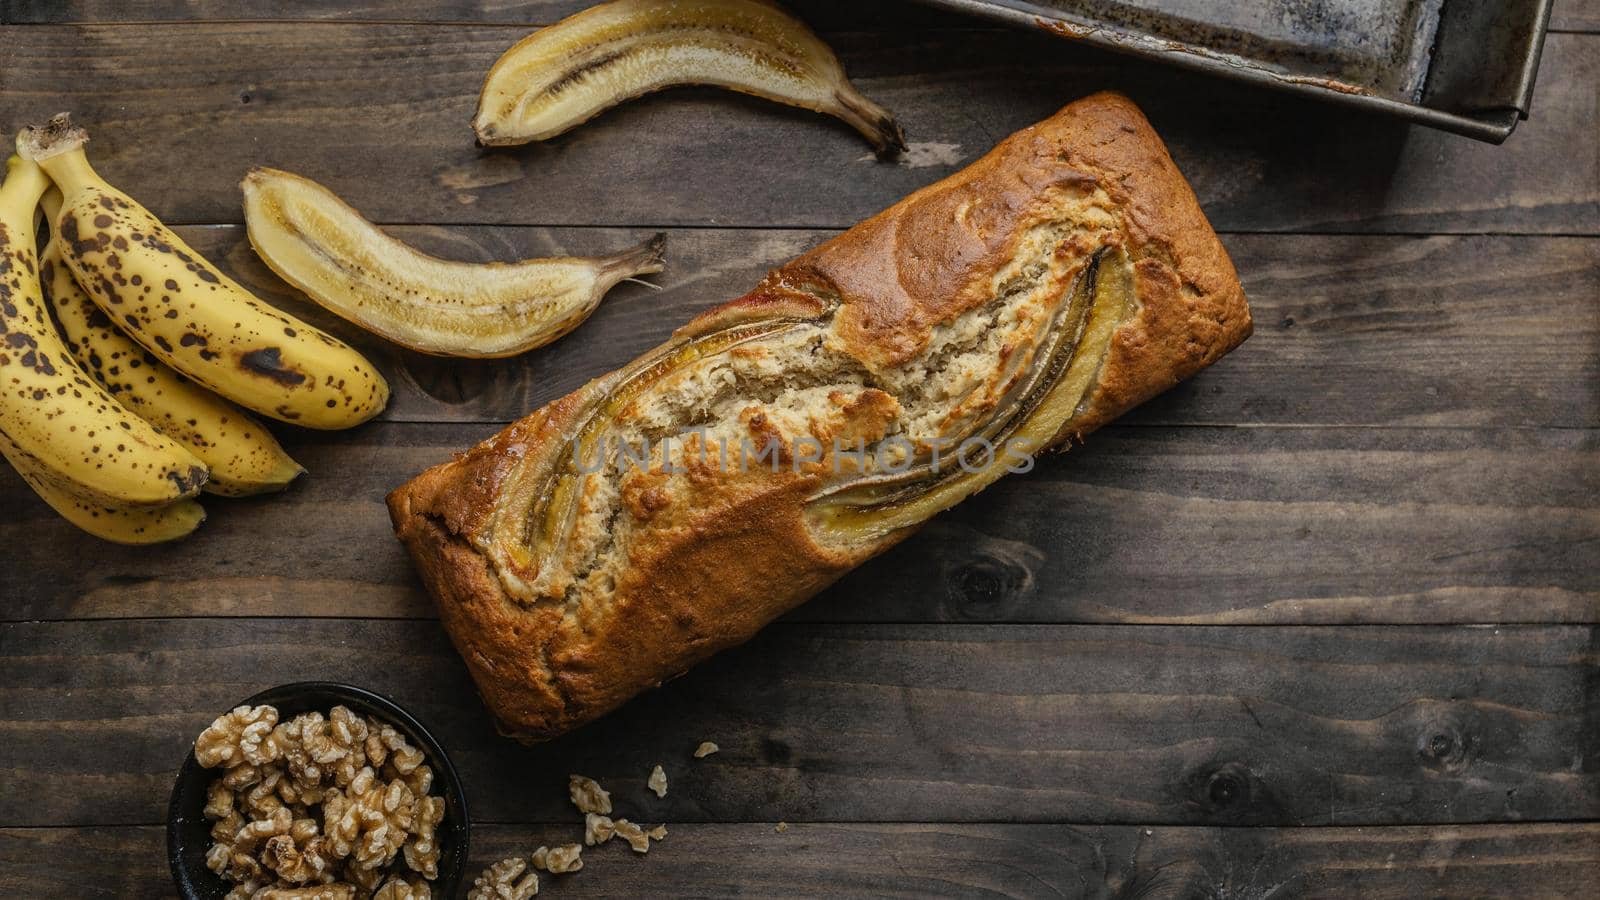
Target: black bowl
189, 832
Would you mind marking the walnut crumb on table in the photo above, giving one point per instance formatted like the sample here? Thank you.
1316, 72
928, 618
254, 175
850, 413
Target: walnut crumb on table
559, 860
637, 837
511, 879
705, 749
588, 796
598, 829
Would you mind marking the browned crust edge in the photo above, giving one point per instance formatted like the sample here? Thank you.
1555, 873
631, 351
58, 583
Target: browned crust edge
710, 584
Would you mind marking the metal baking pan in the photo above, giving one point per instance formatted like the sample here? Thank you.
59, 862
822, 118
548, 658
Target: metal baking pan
1465, 66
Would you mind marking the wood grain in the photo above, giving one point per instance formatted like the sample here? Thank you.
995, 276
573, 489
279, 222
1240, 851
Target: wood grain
1553, 860
1568, 15
1101, 724
1480, 331
380, 113
1410, 437
1576, 15
1201, 525
820, 14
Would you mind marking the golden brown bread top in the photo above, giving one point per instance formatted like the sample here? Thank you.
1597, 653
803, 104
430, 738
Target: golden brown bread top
567, 593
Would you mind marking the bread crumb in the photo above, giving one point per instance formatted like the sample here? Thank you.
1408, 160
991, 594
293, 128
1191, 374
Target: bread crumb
559, 860
705, 749
658, 781
782, 827
588, 796
598, 829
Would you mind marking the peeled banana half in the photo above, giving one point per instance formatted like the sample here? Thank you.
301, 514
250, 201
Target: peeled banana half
563, 75
55, 417
188, 314
317, 243
242, 455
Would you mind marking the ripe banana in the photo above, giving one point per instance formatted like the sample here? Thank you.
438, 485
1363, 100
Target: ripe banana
50, 409
119, 524
243, 456
561, 76
189, 315
317, 243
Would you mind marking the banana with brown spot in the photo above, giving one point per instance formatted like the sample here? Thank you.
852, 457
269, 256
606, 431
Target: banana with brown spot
118, 524
51, 410
188, 314
242, 455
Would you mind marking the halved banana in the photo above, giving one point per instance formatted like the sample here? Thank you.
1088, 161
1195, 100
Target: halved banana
561, 76
317, 243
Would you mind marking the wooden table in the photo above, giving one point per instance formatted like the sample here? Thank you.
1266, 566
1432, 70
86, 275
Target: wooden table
1321, 620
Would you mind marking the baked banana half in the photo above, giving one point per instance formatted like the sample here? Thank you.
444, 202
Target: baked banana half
561, 76
319, 244
669, 509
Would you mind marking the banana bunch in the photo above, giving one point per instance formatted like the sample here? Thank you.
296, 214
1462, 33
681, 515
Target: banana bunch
118, 412
75, 443
188, 314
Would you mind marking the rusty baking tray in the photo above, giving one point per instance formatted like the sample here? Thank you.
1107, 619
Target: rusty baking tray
1465, 66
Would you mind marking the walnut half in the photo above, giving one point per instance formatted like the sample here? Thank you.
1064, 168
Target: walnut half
318, 807
501, 882
588, 796
559, 860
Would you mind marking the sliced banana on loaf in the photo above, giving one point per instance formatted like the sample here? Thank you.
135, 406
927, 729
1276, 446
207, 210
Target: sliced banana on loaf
669, 509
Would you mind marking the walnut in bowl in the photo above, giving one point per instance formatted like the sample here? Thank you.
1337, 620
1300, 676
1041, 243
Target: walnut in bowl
317, 791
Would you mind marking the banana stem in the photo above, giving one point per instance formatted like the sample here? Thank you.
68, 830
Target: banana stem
875, 123
57, 146
57, 136
51, 204
643, 259
70, 169
25, 184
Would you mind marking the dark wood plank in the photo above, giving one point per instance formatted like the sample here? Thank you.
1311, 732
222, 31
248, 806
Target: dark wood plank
1575, 15
380, 113
1554, 860
819, 14
1101, 724
1370, 330
1140, 525
1568, 15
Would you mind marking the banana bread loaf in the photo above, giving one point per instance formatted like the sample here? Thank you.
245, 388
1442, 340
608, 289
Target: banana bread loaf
670, 509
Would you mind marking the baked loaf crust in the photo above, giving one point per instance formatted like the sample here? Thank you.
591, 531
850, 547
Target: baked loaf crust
1052, 285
